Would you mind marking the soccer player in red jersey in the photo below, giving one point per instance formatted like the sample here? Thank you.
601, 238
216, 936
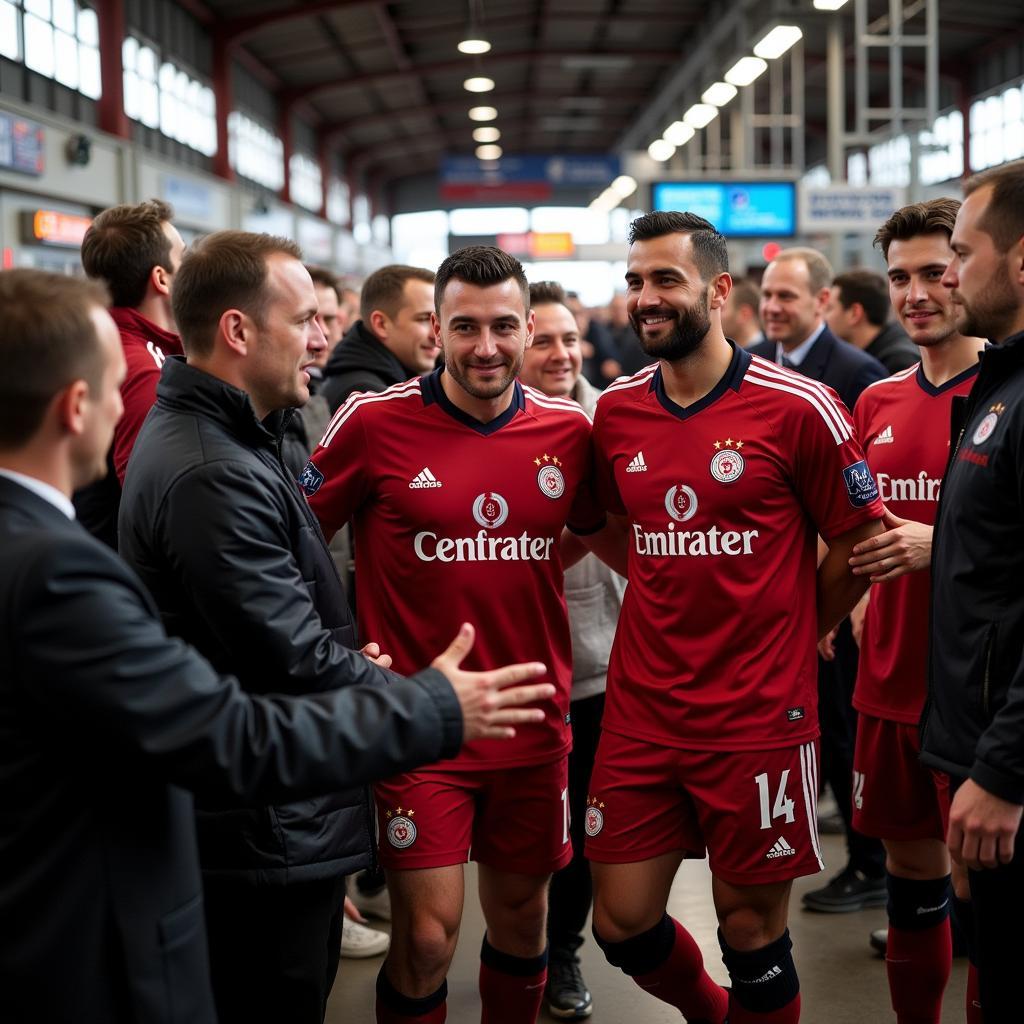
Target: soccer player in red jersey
459, 485
727, 468
904, 424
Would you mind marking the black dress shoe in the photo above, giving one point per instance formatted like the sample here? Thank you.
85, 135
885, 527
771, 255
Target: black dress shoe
850, 890
880, 941
567, 995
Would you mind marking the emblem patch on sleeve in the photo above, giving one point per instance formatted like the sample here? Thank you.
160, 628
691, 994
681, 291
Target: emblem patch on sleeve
860, 484
310, 480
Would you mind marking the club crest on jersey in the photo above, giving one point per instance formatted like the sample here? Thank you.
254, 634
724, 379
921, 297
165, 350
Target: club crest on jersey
594, 820
681, 502
310, 480
860, 484
549, 475
490, 509
988, 424
727, 463
401, 829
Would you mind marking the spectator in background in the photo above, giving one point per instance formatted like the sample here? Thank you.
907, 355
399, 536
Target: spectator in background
392, 341
858, 312
593, 594
135, 251
739, 314
600, 362
348, 308
631, 356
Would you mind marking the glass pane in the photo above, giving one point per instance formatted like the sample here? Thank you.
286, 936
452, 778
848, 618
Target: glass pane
146, 64
9, 34
39, 46
40, 7
181, 85
66, 50
88, 27
166, 77
150, 105
1013, 146
209, 105
489, 222
89, 82
168, 111
130, 86
64, 16
129, 53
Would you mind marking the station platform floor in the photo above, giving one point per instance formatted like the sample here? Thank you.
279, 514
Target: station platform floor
842, 980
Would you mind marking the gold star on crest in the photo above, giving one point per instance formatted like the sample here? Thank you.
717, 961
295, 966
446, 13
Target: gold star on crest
739, 444
556, 461
718, 445
536, 462
728, 442
547, 458
998, 408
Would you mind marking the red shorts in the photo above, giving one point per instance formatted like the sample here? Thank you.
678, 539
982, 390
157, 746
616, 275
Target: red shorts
513, 819
753, 813
894, 795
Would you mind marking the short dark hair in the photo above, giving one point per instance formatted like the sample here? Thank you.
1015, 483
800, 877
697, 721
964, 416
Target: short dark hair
483, 266
123, 245
819, 270
927, 218
323, 278
745, 293
710, 252
871, 290
546, 292
1004, 217
384, 289
225, 270
47, 341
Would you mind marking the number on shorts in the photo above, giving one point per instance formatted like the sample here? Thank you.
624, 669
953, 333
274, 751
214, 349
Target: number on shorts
565, 816
783, 807
858, 790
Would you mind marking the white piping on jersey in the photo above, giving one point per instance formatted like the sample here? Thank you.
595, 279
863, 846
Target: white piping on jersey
809, 781
811, 391
407, 389
554, 402
900, 375
622, 383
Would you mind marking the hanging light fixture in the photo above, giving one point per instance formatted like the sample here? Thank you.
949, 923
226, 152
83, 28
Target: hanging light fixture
475, 40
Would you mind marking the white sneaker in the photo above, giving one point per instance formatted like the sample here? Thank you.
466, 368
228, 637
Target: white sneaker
359, 942
370, 904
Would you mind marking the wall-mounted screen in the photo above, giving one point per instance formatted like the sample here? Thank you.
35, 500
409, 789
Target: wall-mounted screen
739, 209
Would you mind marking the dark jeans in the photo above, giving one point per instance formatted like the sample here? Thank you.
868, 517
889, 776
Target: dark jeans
838, 733
273, 949
571, 893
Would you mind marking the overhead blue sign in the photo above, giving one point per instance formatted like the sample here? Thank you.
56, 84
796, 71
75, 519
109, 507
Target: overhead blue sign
588, 171
21, 145
739, 209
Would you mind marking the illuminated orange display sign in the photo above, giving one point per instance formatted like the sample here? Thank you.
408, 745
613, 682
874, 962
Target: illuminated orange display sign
48, 227
546, 245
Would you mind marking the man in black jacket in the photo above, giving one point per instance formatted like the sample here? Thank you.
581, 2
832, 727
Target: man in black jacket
220, 534
391, 342
105, 723
973, 722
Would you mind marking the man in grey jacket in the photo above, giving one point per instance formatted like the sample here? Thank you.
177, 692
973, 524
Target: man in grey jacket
593, 593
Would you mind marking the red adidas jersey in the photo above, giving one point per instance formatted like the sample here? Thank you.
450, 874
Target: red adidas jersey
456, 521
716, 645
903, 424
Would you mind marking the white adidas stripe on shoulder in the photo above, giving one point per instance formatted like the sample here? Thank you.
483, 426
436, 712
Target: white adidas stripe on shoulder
407, 389
624, 383
554, 402
910, 371
768, 375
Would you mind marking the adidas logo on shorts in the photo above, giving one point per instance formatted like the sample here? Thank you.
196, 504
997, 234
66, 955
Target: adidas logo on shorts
637, 465
424, 478
780, 849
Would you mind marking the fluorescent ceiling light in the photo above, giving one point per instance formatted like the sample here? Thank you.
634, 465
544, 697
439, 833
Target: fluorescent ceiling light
700, 115
778, 41
482, 113
474, 46
623, 186
488, 152
486, 134
829, 5
606, 201
678, 133
719, 94
661, 150
745, 70
479, 84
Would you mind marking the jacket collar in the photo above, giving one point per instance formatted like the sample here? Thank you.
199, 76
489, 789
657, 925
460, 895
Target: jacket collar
186, 389
132, 323
817, 358
16, 494
361, 349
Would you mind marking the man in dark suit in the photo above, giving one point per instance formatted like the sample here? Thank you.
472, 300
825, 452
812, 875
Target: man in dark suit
105, 723
795, 293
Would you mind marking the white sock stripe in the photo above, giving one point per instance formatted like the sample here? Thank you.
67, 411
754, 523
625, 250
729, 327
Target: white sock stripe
839, 435
807, 384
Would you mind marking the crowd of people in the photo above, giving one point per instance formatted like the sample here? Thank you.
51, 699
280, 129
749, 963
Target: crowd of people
350, 608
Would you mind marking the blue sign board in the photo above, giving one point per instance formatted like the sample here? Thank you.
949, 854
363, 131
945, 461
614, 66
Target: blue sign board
739, 209
589, 171
21, 145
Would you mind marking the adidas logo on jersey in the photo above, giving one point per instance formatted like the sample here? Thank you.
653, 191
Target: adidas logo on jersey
780, 849
637, 465
424, 478
885, 437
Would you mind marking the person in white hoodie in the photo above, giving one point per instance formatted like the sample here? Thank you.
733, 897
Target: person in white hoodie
593, 593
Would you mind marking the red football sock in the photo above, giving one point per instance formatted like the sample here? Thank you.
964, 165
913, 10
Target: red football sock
788, 1014
682, 982
511, 987
395, 1008
973, 999
918, 964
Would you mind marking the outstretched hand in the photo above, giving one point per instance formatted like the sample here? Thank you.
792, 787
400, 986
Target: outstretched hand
492, 702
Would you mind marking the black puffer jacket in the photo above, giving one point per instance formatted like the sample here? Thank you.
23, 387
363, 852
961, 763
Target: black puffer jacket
360, 362
973, 722
222, 537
